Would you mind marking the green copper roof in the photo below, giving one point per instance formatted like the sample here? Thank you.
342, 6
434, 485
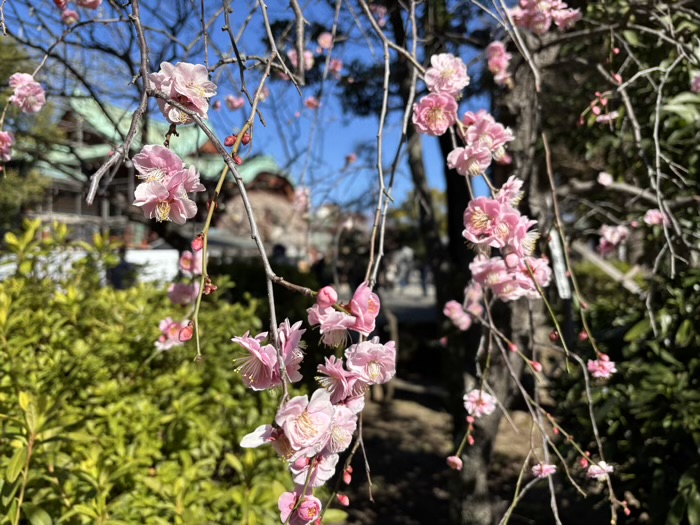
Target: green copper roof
190, 139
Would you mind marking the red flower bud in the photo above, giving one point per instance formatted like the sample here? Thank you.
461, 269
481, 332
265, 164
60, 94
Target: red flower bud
186, 333
246, 139
582, 336
554, 336
198, 243
343, 499
237, 160
230, 141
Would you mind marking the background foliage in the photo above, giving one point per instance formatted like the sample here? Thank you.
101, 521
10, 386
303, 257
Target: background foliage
96, 428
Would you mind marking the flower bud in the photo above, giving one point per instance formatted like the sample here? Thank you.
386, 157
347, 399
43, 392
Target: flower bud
230, 141
198, 243
69, 17
186, 333
554, 336
582, 336
237, 160
454, 463
343, 499
536, 366
327, 297
246, 139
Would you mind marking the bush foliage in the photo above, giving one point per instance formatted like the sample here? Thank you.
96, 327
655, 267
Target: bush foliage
97, 427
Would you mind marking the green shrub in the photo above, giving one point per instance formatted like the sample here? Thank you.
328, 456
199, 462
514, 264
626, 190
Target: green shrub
649, 412
97, 428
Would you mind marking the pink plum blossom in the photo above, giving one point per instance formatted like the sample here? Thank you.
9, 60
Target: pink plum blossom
335, 67
327, 297
511, 283
543, 470
487, 222
189, 85
323, 468
333, 324
455, 463
365, 306
308, 59
69, 17
604, 179
342, 429
472, 160
379, 12
325, 40
260, 369
434, 114
601, 368
447, 74
478, 403
157, 163
599, 471
455, 313
611, 237
656, 217
28, 94
165, 201
306, 513
307, 423
191, 263
6, 142
183, 294
312, 103
498, 61
695, 83
511, 192
338, 381
170, 334
372, 362
538, 15
267, 434
163, 195
291, 347
485, 131
234, 103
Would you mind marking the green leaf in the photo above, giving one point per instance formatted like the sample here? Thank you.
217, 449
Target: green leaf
16, 464
694, 506
638, 331
631, 37
685, 333
36, 515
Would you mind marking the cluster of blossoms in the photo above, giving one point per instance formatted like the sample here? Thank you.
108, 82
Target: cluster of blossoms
601, 368
325, 43
478, 403
538, 15
446, 78
186, 84
484, 141
497, 223
611, 237
166, 183
234, 103
28, 94
461, 314
29, 97
70, 16
184, 294
310, 433
498, 61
